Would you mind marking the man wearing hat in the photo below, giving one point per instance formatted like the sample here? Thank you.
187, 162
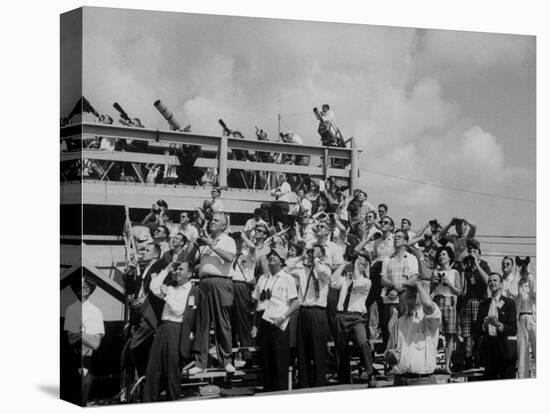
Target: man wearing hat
85, 329
476, 276
275, 293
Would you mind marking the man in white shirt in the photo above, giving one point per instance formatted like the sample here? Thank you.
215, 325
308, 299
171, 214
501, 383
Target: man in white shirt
180, 302
186, 227
251, 223
353, 285
413, 350
85, 330
401, 267
275, 290
277, 210
216, 204
312, 319
216, 287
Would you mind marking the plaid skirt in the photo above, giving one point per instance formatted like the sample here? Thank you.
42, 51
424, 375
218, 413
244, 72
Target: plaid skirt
468, 315
449, 320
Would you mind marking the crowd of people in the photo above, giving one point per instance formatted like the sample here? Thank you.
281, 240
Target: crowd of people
185, 171
309, 272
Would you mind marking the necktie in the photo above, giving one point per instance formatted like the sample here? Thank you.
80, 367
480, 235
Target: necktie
315, 285
348, 297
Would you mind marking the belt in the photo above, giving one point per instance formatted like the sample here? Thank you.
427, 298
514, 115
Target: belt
410, 375
447, 300
214, 277
525, 313
350, 313
313, 307
241, 281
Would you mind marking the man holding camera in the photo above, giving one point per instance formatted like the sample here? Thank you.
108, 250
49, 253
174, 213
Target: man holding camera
497, 323
413, 351
217, 251
274, 290
475, 275
312, 319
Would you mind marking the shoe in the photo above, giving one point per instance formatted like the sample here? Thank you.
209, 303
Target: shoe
196, 371
230, 369
372, 382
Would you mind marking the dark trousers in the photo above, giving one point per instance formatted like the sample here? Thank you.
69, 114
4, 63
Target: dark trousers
346, 324
332, 303
385, 319
277, 211
215, 307
312, 346
496, 366
412, 380
274, 355
163, 364
241, 317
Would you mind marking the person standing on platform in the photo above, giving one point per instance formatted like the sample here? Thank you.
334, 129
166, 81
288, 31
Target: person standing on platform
497, 324
85, 330
172, 343
353, 285
312, 319
275, 289
216, 287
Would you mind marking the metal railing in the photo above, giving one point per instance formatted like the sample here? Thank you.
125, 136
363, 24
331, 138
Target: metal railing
223, 145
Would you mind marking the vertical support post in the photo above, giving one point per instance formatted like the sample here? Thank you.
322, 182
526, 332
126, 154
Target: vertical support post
222, 162
326, 164
354, 166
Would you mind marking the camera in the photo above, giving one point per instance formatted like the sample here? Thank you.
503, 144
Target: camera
469, 264
440, 276
265, 294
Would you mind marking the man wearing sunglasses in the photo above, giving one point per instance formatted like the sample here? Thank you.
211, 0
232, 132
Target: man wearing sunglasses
186, 227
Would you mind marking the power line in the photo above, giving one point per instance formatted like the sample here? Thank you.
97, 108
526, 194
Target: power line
507, 237
515, 244
461, 190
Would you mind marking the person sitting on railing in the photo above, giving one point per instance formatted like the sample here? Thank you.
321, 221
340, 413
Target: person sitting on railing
278, 209
216, 204
262, 156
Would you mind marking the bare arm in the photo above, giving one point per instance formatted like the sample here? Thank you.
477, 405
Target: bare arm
473, 228
427, 304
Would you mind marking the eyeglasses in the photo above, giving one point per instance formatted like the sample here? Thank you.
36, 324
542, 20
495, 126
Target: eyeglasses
386, 222
505, 264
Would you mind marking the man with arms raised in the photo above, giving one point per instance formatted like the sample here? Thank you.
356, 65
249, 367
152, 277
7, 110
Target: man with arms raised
413, 351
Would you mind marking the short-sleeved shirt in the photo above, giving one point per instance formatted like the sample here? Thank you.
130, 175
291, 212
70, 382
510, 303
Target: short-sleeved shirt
211, 263
399, 270
281, 285
190, 232
84, 317
383, 248
333, 254
442, 290
417, 337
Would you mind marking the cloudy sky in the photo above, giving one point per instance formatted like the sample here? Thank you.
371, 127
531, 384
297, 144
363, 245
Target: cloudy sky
447, 107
